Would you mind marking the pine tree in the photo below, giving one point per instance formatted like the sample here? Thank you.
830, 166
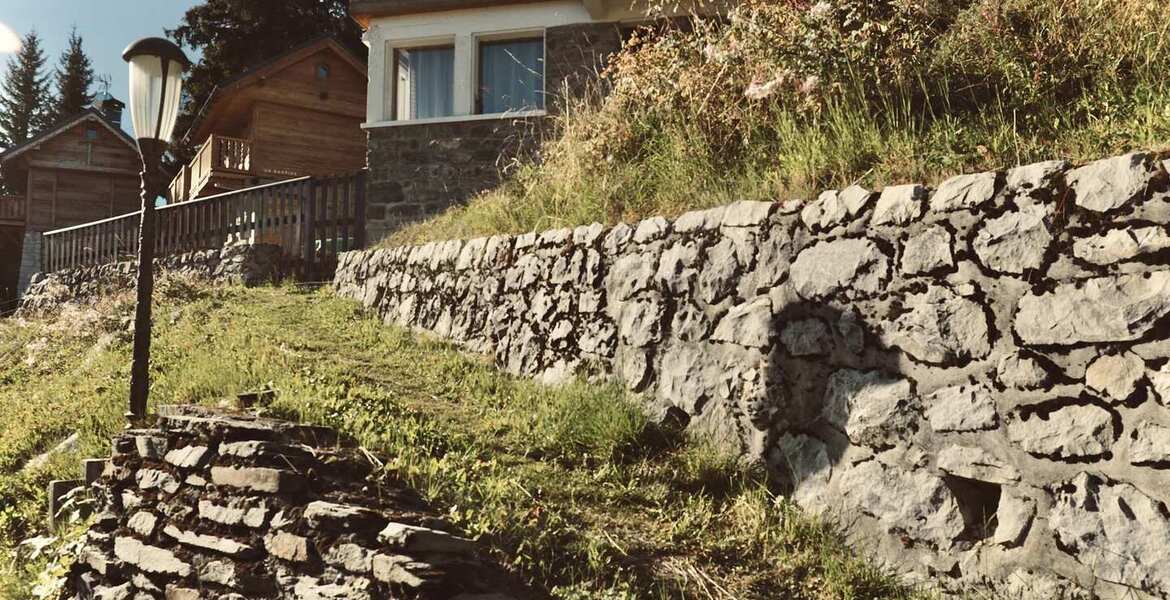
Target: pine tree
25, 102
74, 79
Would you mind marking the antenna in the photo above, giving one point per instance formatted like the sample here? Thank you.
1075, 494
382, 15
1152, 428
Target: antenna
103, 82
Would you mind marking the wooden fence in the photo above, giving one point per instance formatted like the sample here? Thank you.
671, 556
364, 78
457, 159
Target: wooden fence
312, 218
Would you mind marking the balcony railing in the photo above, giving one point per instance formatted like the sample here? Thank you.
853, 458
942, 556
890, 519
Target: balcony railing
218, 155
12, 208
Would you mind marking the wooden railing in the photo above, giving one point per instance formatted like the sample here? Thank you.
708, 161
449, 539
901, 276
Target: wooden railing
312, 218
219, 154
12, 208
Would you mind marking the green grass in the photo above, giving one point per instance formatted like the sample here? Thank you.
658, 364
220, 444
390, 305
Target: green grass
571, 487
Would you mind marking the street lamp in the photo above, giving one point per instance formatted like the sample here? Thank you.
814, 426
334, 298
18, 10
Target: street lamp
156, 85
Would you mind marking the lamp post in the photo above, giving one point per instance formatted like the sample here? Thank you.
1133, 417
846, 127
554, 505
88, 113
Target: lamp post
156, 85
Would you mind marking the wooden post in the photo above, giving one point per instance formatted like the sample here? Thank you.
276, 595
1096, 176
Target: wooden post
308, 224
140, 368
359, 210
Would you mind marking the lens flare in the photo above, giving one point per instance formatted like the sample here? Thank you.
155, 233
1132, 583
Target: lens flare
9, 41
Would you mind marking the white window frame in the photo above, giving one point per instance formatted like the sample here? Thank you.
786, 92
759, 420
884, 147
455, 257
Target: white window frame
390, 78
507, 36
467, 28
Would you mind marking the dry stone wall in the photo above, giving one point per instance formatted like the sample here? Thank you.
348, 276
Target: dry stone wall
230, 506
242, 264
974, 379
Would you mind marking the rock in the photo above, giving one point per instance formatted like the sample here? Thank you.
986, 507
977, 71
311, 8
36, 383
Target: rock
1116, 376
855, 266
149, 558
181, 593
150, 446
805, 459
688, 374
941, 327
963, 192
916, 502
833, 208
651, 229
1014, 518
142, 523
700, 220
1114, 529
806, 337
413, 539
1149, 444
976, 464
640, 322
718, 276
289, 547
257, 479
151, 479
747, 213
690, 323
227, 574
899, 205
1160, 382
1104, 309
962, 408
1016, 241
394, 569
1028, 179
748, 324
1021, 372
1111, 183
871, 407
630, 274
1024, 584
1069, 432
222, 545
341, 517
311, 588
187, 458
236, 512
928, 251
120, 592
678, 268
1119, 245
351, 557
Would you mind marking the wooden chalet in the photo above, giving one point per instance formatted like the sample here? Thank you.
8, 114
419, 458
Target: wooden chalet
85, 169
295, 115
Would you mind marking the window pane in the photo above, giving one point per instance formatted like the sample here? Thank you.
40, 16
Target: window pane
511, 76
425, 83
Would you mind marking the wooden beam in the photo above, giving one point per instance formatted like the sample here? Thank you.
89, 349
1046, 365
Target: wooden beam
77, 167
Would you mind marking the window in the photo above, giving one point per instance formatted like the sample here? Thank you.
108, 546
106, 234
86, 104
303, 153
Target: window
511, 76
424, 86
322, 71
91, 135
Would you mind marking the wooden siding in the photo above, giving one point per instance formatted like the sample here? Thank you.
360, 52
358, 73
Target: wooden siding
297, 141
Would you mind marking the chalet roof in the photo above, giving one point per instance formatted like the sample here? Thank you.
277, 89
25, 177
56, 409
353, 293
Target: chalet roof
89, 114
261, 71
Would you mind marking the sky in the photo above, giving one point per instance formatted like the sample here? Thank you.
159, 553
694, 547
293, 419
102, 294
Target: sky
106, 28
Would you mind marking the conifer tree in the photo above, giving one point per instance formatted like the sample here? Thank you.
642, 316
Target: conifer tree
25, 102
74, 79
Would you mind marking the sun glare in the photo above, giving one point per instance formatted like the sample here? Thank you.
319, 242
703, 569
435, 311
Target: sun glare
9, 41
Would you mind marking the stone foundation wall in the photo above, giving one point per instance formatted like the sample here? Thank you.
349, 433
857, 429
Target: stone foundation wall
218, 505
417, 170
240, 264
974, 379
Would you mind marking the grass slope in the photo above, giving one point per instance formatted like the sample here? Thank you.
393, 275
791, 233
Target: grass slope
571, 487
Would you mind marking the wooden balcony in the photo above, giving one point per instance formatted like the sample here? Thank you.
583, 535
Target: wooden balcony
221, 158
12, 210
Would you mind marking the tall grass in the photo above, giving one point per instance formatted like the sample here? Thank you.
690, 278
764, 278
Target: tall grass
785, 99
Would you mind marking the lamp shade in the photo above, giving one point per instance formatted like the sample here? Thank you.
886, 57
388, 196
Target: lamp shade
156, 87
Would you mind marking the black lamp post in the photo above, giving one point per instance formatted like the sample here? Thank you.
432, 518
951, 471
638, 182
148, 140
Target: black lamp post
156, 85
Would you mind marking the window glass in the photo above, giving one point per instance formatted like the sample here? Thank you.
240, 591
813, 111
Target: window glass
424, 83
511, 76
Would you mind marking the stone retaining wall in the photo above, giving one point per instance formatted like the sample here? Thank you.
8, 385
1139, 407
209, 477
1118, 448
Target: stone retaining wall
976, 378
241, 264
214, 505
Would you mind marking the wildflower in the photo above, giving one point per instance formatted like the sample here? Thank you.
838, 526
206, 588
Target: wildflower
820, 10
